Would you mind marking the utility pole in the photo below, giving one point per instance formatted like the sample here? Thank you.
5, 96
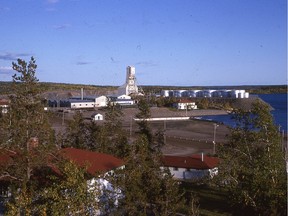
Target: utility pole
214, 138
63, 117
164, 134
131, 126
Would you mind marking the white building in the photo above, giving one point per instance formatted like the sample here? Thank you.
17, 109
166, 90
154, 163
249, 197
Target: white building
223, 93
192, 167
97, 117
184, 104
88, 102
123, 100
81, 104
101, 101
130, 86
4, 104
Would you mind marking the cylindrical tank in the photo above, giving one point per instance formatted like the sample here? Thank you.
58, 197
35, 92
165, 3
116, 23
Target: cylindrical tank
246, 95
165, 93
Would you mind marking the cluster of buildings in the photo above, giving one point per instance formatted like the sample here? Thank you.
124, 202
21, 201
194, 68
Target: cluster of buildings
224, 93
123, 96
130, 88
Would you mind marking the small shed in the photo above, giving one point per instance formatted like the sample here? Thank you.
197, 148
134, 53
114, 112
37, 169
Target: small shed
97, 117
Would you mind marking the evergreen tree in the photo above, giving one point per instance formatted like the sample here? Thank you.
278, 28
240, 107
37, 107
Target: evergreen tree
252, 165
76, 134
143, 115
146, 187
70, 193
25, 135
116, 137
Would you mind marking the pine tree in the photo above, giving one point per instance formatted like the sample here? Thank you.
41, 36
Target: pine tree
118, 141
147, 188
70, 193
25, 135
76, 134
253, 164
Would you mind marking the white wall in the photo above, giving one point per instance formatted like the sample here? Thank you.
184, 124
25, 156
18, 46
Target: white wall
101, 101
83, 105
192, 174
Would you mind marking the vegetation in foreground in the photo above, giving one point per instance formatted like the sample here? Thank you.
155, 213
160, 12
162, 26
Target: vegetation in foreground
252, 171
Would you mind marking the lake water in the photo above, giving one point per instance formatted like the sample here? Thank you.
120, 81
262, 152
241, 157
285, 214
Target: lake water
277, 101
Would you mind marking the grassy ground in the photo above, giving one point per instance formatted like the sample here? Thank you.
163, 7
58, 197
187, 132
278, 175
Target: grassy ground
212, 201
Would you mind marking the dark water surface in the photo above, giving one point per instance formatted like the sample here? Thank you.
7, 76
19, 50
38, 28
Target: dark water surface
277, 101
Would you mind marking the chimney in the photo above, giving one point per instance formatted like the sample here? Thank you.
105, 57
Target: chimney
82, 93
202, 157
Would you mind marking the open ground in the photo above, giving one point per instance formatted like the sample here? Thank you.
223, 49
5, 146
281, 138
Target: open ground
182, 137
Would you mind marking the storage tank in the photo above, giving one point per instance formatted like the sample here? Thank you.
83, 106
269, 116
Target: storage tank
200, 93
191, 93
246, 95
241, 93
184, 93
234, 93
165, 93
177, 93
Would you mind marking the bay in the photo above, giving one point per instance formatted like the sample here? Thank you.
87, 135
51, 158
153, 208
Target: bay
279, 112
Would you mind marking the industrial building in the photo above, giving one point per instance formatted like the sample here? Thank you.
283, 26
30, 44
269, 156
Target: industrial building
130, 87
223, 93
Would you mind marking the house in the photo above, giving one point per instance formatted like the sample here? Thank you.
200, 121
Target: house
94, 162
97, 117
185, 104
193, 167
97, 165
4, 104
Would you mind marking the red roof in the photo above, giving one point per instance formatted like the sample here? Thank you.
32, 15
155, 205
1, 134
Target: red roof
95, 162
191, 162
184, 101
4, 102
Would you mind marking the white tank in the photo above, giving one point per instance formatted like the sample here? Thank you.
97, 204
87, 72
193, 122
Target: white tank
165, 93
246, 95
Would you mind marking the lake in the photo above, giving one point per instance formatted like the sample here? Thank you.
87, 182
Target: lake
277, 101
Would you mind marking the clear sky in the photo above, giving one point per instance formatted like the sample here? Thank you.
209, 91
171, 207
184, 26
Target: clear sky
170, 42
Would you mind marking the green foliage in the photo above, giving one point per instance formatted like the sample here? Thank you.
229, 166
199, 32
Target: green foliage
143, 115
70, 193
25, 134
253, 164
26, 117
203, 103
147, 188
117, 137
76, 132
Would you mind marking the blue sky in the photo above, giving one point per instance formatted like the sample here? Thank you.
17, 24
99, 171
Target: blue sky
170, 42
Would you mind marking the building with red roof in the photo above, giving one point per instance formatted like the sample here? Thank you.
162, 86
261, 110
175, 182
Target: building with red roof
4, 104
94, 162
191, 167
185, 104
96, 165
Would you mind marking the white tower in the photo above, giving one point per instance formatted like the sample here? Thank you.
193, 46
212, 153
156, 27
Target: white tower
130, 86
